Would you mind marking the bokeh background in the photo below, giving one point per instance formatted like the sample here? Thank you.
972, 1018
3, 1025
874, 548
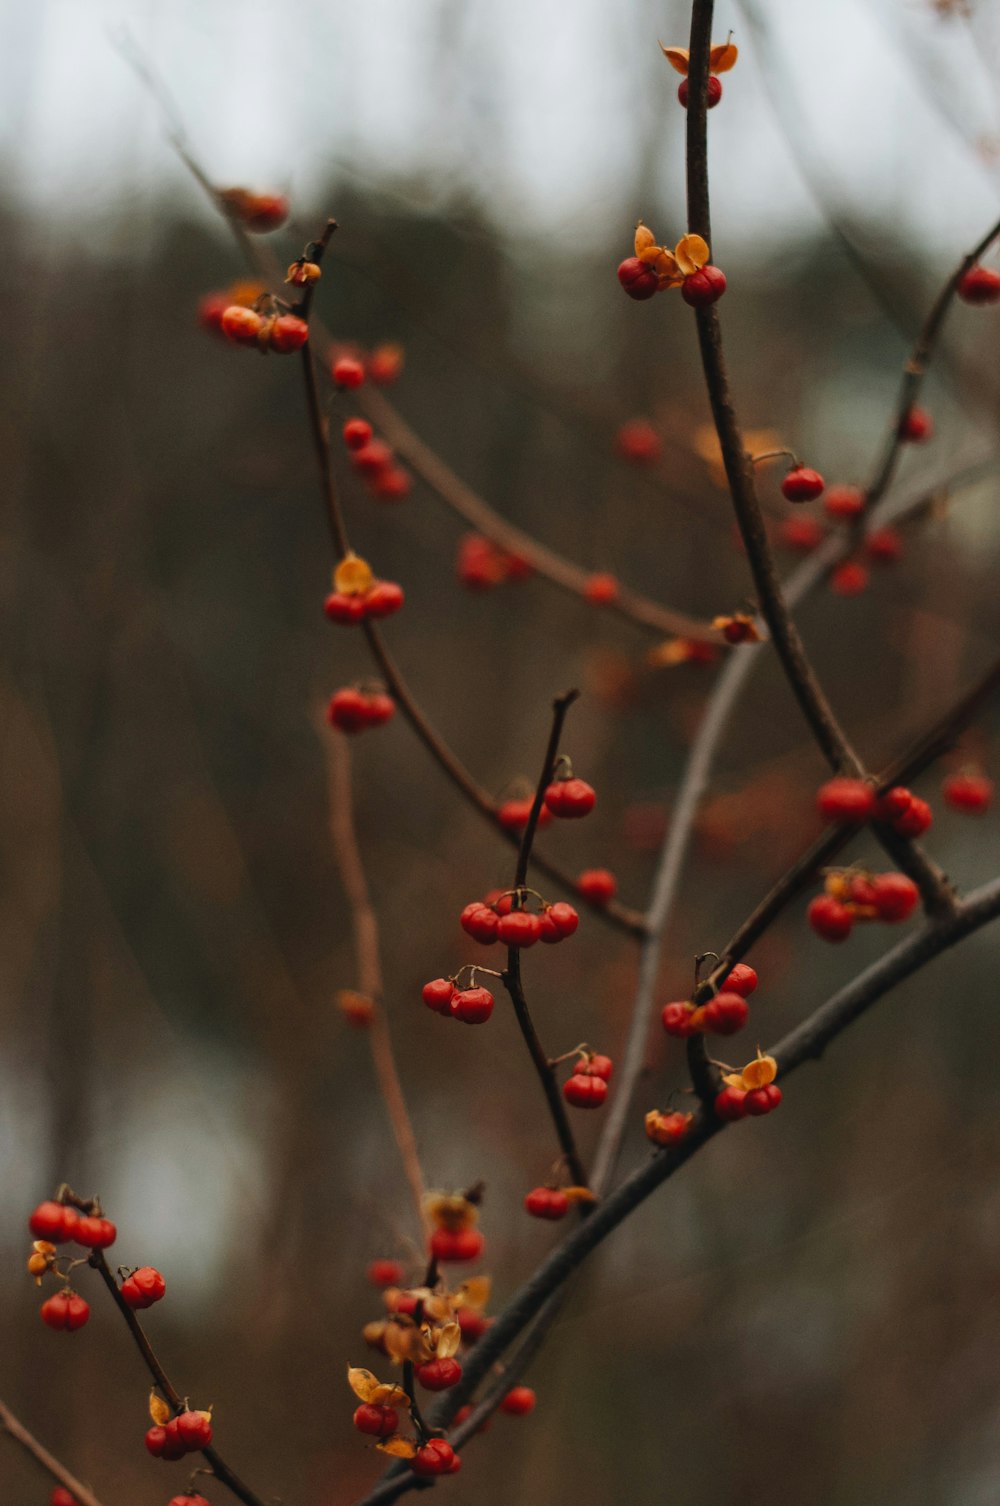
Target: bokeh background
811, 1309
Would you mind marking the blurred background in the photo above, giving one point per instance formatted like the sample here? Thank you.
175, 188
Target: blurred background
812, 1306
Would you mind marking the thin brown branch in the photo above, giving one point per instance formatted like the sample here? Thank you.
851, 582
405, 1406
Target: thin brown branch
16, 1430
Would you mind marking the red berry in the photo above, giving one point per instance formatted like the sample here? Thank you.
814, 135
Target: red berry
915, 820
188, 1500
894, 896
194, 1429
801, 533
456, 1244
731, 1104
144, 1287
741, 980
667, 1129
480, 922
391, 484
704, 287
65, 1311
844, 503
585, 1091
62, 1497
850, 801
381, 708
725, 1014
259, 212
570, 798
557, 922
439, 1375
714, 91
438, 994
802, 484
849, 578
347, 372
471, 1005
829, 918
968, 792
379, 1422
348, 710
638, 280
403, 1302
384, 364
547, 1202
519, 1401
514, 813
373, 457
884, 546
519, 928
384, 598
979, 285
601, 590
916, 425
341, 608
53, 1221
597, 885
211, 309
436, 1457
594, 1065
357, 433
479, 564
893, 803
638, 442
241, 325
677, 1019
472, 1323
763, 1100
287, 333
861, 891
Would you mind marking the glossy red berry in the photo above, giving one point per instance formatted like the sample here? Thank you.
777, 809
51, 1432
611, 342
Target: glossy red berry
456, 1244
65, 1311
829, 918
915, 820
742, 979
678, 1019
601, 590
439, 1375
62, 1497
342, 608
714, 91
638, 279
357, 433
438, 994
595, 1065
287, 333
972, 793
884, 546
480, 922
801, 533
436, 1457
726, 1014
514, 813
843, 503
241, 325
731, 1104
848, 801
194, 1429
188, 1500
570, 798
704, 287
894, 896
597, 885
519, 1401
916, 426
347, 372
849, 578
378, 1422
556, 922
473, 1006
53, 1221
384, 598
547, 1202
519, 928
638, 442
979, 285
762, 1100
144, 1287
385, 1273
585, 1091
802, 484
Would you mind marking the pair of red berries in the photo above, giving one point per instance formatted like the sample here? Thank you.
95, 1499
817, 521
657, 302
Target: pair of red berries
187, 1433
435, 1457
472, 1006
570, 798
143, 1288
438, 1374
376, 461
377, 1421
852, 802
65, 1311
353, 710
382, 599
480, 564
737, 1103
700, 289
724, 1014
456, 1245
801, 484
58, 1223
889, 897
282, 333
550, 1203
491, 920
587, 1087
972, 793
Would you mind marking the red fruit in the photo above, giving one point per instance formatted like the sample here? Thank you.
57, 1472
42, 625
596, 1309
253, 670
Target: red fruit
714, 95
392, 484
519, 1401
384, 598
373, 457
725, 1014
384, 364
480, 922
597, 885
547, 1202
479, 564
667, 1129
677, 1019
585, 1091
357, 432
638, 280
829, 918
439, 1375
241, 325
188, 1500
849, 578
514, 813
557, 922
519, 928
849, 801
379, 1422
61, 1497
155, 1441
861, 891
915, 820
65, 1311
802, 484
570, 798
472, 1006
594, 1065
287, 333
194, 1429
968, 792
144, 1287
348, 710
381, 708
979, 285
731, 1104
211, 309
638, 442
436, 1457
437, 995
259, 212
763, 1100
385, 1273
601, 590
893, 803
404, 1302
844, 503
456, 1244
801, 533
916, 425
741, 980
894, 896
347, 372
341, 608
884, 546
53, 1221
473, 1324
704, 287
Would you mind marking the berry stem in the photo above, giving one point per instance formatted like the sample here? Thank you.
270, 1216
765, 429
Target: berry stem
16, 1430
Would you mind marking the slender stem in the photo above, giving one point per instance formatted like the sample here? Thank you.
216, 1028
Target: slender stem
15, 1429
560, 707
320, 430
367, 953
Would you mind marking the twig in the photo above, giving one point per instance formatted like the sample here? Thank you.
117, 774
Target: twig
15, 1429
367, 953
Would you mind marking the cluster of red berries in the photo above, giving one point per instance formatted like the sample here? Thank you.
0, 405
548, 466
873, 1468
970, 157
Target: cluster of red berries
374, 460
751, 1091
979, 285
972, 793
282, 333
480, 564
502, 917
852, 802
187, 1433
725, 1014
853, 895
587, 1086
381, 599
699, 289
352, 709
59, 1223
472, 1006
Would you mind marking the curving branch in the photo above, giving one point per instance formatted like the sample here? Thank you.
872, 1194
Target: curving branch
16, 1430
